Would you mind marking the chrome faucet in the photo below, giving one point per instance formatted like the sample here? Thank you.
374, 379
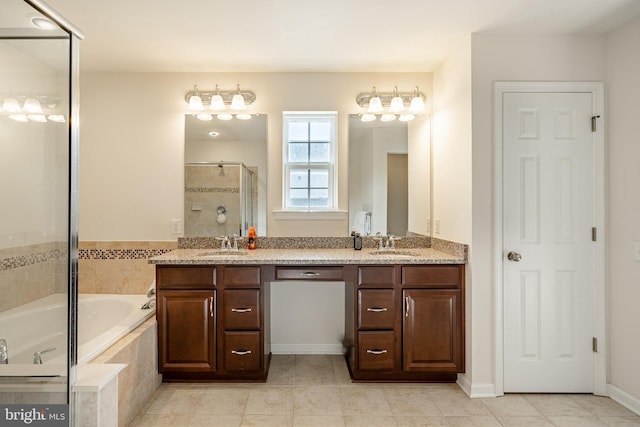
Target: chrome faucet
37, 360
4, 352
235, 239
386, 243
224, 243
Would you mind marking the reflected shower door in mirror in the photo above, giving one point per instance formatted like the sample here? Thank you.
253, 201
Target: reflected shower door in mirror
225, 176
389, 176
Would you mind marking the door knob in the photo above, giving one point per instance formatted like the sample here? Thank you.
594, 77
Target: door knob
514, 256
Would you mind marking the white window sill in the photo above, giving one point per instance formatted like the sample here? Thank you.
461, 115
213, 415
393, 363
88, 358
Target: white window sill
310, 215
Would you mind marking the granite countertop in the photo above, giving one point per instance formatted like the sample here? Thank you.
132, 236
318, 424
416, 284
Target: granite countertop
320, 256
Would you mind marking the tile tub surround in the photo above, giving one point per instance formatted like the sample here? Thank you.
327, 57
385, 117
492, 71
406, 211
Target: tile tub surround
26, 273
315, 390
139, 380
118, 267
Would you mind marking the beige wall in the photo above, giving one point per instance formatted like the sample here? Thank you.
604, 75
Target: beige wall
132, 130
623, 69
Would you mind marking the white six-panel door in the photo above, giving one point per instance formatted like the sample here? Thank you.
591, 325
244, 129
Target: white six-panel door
548, 264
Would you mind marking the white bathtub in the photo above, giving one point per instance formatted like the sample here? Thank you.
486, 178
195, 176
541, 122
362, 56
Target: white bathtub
102, 320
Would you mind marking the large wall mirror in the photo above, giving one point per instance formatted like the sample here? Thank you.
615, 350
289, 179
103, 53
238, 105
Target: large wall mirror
225, 176
389, 176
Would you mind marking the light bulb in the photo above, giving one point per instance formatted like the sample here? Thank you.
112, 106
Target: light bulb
243, 116
417, 103
195, 102
397, 105
406, 117
58, 118
224, 116
388, 117
32, 105
237, 102
11, 105
217, 103
19, 117
37, 118
368, 117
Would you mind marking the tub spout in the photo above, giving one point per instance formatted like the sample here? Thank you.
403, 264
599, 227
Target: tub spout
4, 352
37, 360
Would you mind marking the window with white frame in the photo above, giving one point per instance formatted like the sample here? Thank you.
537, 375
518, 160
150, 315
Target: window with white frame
309, 148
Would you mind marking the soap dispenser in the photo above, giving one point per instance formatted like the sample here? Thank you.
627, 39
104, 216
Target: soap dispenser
252, 238
357, 239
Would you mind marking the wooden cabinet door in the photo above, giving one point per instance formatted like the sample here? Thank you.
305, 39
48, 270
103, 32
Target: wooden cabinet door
186, 321
432, 333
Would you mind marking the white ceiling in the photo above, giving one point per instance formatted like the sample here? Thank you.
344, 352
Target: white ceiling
305, 35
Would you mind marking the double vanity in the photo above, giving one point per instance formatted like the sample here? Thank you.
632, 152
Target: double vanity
404, 310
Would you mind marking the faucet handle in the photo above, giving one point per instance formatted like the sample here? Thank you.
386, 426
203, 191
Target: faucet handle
37, 360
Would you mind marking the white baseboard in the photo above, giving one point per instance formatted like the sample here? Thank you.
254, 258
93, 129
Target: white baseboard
307, 349
630, 402
475, 390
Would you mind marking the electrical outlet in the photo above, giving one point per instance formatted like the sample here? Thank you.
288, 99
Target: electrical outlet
436, 226
175, 226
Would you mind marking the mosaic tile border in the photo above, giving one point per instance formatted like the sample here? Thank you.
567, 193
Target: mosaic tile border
232, 190
26, 260
110, 254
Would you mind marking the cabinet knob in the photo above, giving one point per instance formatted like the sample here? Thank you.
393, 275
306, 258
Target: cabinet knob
376, 352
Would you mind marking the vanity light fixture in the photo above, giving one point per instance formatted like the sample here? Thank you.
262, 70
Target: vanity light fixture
217, 100
58, 118
243, 116
224, 116
204, 116
19, 117
195, 101
32, 109
41, 118
11, 105
375, 103
391, 103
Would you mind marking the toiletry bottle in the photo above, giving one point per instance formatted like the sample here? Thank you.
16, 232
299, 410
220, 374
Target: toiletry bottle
252, 239
357, 242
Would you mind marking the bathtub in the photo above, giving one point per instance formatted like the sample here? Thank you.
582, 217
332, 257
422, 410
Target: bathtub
102, 320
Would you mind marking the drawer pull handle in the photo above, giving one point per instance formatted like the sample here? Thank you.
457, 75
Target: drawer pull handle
406, 304
376, 352
377, 309
211, 306
241, 352
310, 274
241, 310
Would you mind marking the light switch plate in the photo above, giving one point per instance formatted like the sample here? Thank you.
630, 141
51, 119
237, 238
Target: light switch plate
175, 226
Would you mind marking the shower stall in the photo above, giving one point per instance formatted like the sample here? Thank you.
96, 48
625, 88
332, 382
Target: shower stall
221, 198
38, 204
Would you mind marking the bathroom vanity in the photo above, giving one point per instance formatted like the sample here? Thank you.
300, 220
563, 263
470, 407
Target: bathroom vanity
404, 311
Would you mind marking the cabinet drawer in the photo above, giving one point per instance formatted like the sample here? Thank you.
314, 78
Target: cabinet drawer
242, 351
241, 309
376, 351
242, 276
375, 309
377, 276
433, 276
311, 273
186, 277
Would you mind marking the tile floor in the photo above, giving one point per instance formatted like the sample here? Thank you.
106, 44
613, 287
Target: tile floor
316, 391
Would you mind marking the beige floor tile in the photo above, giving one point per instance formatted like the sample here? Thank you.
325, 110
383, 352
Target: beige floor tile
477, 421
364, 401
462, 407
282, 374
316, 400
270, 401
267, 421
511, 406
420, 421
318, 421
572, 421
369, 421
406, 401
621, 421
176, 402
556, 404
602, 406
154, 420
524, 421
212, 420
223, 400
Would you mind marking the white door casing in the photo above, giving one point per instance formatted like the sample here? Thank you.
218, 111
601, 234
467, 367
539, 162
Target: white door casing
549, 194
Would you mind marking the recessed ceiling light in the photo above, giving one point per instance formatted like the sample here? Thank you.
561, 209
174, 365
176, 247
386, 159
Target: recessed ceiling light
213, 133
43, 23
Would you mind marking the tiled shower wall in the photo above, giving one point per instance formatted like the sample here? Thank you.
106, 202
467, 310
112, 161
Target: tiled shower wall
118, 267
26, 272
